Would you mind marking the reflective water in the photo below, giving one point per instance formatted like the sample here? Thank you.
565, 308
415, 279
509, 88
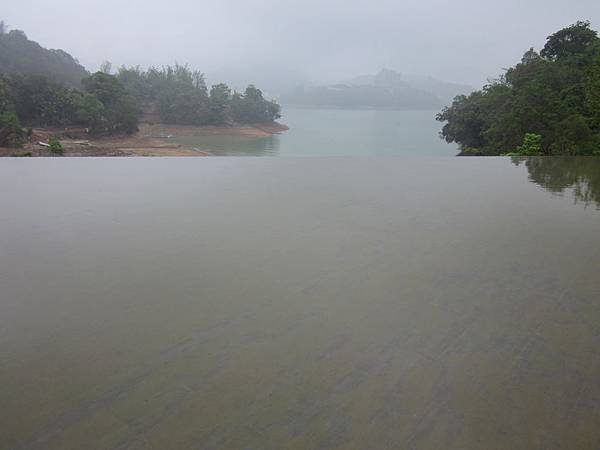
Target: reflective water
321, 132
578, 176
283, 303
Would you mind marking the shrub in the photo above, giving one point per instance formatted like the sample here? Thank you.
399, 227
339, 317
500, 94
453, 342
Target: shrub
55, 146
532, 145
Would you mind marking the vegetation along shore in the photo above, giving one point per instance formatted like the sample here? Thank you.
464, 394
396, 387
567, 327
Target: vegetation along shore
50, 105
548, 104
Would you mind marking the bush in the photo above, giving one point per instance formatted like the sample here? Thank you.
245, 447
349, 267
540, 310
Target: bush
55, 146
532, 145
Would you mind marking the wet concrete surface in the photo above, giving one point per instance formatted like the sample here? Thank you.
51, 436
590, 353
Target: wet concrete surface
334, 303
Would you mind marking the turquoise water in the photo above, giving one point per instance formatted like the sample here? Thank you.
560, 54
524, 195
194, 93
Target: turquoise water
336, 132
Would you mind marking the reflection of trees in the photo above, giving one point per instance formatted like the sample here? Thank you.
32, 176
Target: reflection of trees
580, 175
233, 145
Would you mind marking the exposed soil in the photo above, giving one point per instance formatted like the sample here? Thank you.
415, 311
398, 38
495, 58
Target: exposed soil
150, 140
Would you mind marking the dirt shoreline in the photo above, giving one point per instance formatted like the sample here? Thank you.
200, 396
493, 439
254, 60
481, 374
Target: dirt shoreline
150, 140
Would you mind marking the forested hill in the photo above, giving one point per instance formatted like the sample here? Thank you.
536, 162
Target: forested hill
19, 55
548, 104
48, 88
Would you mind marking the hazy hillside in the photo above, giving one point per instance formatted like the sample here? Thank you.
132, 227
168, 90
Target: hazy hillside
387, 89
19, 55
444, 90
348, 96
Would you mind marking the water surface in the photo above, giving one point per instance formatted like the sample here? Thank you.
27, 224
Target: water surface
299, 303
336, 132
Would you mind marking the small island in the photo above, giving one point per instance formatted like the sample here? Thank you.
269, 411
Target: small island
51, 106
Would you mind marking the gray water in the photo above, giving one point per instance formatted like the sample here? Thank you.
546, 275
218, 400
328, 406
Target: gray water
299, 303
337, 132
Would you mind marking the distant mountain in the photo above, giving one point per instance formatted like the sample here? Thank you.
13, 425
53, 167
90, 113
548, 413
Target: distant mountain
407, 91
387, 89
19, 55
348, 96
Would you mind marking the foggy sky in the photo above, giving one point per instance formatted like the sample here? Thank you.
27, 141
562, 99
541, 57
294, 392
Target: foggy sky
463, 41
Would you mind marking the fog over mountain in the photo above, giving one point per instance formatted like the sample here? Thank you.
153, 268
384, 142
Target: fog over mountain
387, 89
280, 44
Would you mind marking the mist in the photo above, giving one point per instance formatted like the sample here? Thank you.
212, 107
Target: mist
288, 42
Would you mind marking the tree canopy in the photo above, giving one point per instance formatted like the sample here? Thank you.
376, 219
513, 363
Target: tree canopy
551, 98
181, 97
48, 88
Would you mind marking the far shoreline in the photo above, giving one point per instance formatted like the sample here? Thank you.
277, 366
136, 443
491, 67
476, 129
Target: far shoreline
152, 139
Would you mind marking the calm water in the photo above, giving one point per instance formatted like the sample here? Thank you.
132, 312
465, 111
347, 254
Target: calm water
319, 132
299, 303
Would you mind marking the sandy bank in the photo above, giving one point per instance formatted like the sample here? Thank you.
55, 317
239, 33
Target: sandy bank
150, 140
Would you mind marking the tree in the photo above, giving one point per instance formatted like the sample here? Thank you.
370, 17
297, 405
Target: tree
252, 107
220, 99
106, 67
569, 41
181, 95
120, 110
126, 115
105, 87
89, 111
554, 95
593, 93
11, 133
465, 122
6, 96
41, 102
530, 56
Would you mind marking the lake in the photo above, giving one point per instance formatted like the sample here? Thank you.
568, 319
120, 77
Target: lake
335, 132
299, 303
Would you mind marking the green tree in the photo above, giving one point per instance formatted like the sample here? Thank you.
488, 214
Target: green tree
120, 110
89, 111
252, 107
105, 87
11, 133
220, 102
593, 93
6, 96
126, 115
553, 94
569, 41
41, 102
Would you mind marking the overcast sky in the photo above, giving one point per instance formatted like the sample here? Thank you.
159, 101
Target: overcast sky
323, 40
